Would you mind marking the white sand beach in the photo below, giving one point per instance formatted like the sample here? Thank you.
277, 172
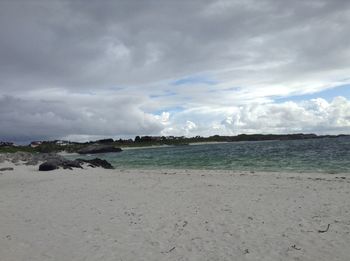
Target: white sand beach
98, 214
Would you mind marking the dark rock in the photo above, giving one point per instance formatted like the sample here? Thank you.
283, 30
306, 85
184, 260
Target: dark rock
5, 169
93, 149
56, 163
97, 163
69, 164
48, 165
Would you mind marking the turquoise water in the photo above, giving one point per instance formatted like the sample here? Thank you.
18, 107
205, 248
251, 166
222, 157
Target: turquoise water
329, 155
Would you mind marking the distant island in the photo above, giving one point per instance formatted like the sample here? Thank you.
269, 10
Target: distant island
147, 141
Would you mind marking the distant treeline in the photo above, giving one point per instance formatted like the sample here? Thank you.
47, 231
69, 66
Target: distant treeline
216, 138
140, 141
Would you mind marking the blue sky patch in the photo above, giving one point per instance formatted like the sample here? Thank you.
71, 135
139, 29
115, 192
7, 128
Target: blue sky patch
194, 80
171, 110
328, 95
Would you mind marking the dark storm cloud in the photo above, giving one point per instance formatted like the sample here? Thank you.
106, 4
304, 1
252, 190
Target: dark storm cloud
80, 44
26, 119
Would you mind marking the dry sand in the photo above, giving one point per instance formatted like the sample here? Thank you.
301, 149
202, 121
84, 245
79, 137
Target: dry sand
97, 214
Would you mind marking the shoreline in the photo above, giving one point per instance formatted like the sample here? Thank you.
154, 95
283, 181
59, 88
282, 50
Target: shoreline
22, 161
171, 214
21, 165
225, 171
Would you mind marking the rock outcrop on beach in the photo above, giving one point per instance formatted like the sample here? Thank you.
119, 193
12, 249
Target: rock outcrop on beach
96, 162
48, 165
93, 149
52, 161
70, 164
53, 164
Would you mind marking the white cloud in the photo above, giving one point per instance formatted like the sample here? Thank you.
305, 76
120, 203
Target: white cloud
312, 116
164, 117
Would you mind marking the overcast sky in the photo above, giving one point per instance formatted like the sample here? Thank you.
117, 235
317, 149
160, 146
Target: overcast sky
91, 69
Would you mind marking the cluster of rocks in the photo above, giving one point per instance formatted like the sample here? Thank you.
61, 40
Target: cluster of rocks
51, 161
53, 164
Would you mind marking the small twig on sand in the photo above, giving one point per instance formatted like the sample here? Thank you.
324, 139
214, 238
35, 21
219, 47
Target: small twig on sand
171, 249
324, 231
295, 247
165, 252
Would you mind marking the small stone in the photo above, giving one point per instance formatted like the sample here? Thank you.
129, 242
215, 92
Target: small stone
6, 169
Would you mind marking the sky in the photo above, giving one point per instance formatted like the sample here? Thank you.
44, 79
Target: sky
85, 70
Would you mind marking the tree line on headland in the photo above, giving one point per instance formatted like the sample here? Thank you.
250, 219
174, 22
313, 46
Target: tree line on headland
144, 141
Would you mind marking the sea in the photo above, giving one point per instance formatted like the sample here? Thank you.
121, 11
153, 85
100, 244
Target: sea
326, 155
